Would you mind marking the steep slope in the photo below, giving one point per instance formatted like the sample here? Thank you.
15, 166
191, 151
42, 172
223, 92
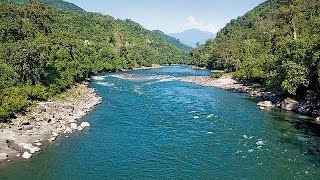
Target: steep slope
60, 4
276, 44
192, 37
44, 51
173, 41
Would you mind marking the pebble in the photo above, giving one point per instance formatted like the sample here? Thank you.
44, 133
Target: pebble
54, 134
34, 150
68, 130
51, 139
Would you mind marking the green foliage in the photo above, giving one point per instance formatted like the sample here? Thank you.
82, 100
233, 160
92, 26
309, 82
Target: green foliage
294, 76
60, 4
12, 99
276, 44
8, 77
217, 74
44, 51
36, 92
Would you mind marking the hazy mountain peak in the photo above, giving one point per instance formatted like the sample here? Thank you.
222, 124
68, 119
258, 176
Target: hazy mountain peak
193, 36
173, 41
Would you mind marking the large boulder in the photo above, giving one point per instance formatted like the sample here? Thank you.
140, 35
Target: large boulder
265, 104
85, 124
289, 104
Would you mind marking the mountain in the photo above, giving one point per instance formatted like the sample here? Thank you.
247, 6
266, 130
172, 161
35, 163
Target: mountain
276, 45
60, 4
44, 51
192, 37
173, 41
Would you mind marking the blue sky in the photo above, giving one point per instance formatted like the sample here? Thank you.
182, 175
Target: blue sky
172, 15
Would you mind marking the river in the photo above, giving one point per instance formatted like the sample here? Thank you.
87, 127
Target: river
153, 126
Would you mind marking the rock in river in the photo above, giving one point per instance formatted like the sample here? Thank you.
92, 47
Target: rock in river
265, 104
289, 104
85, 124
26, 155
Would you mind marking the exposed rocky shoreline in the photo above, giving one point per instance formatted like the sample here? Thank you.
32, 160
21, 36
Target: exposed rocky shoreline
153, 66
25, 135
310, 106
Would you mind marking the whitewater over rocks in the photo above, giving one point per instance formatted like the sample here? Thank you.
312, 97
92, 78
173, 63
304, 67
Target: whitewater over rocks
25, 134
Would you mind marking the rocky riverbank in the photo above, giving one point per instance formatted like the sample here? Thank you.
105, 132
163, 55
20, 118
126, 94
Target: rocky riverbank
25, 135
153, 66
310, 106
226, 82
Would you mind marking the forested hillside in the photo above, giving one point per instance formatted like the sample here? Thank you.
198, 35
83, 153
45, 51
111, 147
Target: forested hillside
44, 51
277, 44
60, 4
173, 41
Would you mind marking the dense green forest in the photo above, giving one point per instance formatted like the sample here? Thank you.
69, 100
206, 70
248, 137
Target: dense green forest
59, 4
277, 44
44, 51
173, 41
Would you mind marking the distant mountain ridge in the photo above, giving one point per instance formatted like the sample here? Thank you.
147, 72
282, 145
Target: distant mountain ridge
60, 4
173, 41
193, 36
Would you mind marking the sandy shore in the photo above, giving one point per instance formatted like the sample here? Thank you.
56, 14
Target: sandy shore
25, 134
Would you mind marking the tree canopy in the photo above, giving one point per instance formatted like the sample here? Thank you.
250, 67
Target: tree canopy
276, 44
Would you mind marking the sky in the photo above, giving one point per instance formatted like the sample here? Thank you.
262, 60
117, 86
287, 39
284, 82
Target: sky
171, 16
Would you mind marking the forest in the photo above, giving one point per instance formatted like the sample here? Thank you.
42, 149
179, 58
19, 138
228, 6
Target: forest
277, 45
45, 50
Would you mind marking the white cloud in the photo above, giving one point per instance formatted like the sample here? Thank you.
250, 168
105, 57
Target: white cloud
192, 22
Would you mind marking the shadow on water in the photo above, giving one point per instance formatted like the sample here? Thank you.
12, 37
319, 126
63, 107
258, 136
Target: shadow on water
312, 145
301, 131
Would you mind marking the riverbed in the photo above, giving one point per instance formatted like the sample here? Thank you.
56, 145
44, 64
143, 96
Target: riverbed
152, 125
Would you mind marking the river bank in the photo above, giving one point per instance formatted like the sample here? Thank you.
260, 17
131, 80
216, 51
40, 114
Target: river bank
25, 135
308, 107
153, 66
226, 82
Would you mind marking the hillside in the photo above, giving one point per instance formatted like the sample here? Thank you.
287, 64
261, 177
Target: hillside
276, 44
173, 41
60, 4
193, 37
44, 51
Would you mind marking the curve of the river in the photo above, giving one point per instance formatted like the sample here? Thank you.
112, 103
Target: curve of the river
153, 126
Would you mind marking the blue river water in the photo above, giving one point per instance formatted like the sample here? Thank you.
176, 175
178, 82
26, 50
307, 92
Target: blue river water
151, 125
